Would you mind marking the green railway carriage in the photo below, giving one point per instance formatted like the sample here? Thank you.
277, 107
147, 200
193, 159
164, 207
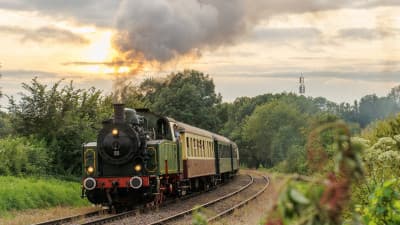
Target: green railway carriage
226, 156
140, 156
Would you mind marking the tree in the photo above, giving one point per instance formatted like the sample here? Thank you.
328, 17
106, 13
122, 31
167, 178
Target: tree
273, 128
188, 96
395, 94
64, 117
5, 124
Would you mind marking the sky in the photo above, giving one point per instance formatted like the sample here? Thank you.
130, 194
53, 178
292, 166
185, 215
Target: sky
344, 49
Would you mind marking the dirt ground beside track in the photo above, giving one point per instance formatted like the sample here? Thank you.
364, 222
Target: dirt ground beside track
40, 215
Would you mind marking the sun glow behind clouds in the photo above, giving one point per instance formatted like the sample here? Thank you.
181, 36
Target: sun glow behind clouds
99, 51
100, 59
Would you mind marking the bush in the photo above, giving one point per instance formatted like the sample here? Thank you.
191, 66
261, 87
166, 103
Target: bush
384, 204
28, 193
21, 155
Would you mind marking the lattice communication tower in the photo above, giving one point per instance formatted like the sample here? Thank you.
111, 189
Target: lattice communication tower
302, 86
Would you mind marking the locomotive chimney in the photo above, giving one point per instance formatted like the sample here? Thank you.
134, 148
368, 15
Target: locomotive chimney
119, 113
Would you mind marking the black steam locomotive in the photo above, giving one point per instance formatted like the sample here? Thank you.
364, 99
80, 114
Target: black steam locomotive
143, 157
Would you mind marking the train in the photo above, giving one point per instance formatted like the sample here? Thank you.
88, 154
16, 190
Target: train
142, 157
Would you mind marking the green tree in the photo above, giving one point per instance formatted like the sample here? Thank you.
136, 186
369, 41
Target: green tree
273, 128
373, 108
395, 95
188, 96
64, 117
5, 124
23, 155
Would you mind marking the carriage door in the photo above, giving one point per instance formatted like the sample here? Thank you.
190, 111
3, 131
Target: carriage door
216, 151
231, 156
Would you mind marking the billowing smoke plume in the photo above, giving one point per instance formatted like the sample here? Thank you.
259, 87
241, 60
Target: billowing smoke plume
164, 30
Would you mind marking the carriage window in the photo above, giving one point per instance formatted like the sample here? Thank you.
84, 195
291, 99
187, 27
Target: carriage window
225, 151
202, 148
198, 148
211, 150
191, 147
194, 147
208, 148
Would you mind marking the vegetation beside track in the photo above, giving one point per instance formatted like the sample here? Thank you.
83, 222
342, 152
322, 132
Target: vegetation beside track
17, 193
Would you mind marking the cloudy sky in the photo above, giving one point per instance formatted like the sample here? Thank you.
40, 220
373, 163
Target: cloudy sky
345, 49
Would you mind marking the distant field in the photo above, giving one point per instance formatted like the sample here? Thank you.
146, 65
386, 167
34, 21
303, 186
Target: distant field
29, 193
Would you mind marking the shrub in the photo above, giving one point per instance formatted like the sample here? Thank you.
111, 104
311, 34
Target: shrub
384, 204
27, 193
21, 155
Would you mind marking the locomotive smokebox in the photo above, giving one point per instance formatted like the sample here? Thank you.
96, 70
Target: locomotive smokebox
119, 113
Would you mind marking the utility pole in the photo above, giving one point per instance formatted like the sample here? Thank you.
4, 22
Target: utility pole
302, 86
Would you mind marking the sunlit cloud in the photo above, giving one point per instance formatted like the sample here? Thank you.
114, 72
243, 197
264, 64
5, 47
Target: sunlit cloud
44, 34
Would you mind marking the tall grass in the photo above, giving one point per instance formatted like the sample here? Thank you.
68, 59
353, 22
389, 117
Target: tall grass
27, 193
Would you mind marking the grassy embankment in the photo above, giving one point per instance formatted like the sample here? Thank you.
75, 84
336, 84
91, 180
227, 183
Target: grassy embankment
18, 193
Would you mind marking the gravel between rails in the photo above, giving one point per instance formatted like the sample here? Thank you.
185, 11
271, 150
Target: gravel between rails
181, 205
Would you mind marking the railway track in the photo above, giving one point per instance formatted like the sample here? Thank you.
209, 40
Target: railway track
139, 216
215, 212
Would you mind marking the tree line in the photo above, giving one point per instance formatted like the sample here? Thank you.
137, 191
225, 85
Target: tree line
270, 129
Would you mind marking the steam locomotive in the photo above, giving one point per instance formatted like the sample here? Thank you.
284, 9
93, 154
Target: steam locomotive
141, 157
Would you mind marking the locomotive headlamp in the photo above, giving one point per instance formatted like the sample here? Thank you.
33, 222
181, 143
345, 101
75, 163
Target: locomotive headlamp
90, 169
138, 167
114, 132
